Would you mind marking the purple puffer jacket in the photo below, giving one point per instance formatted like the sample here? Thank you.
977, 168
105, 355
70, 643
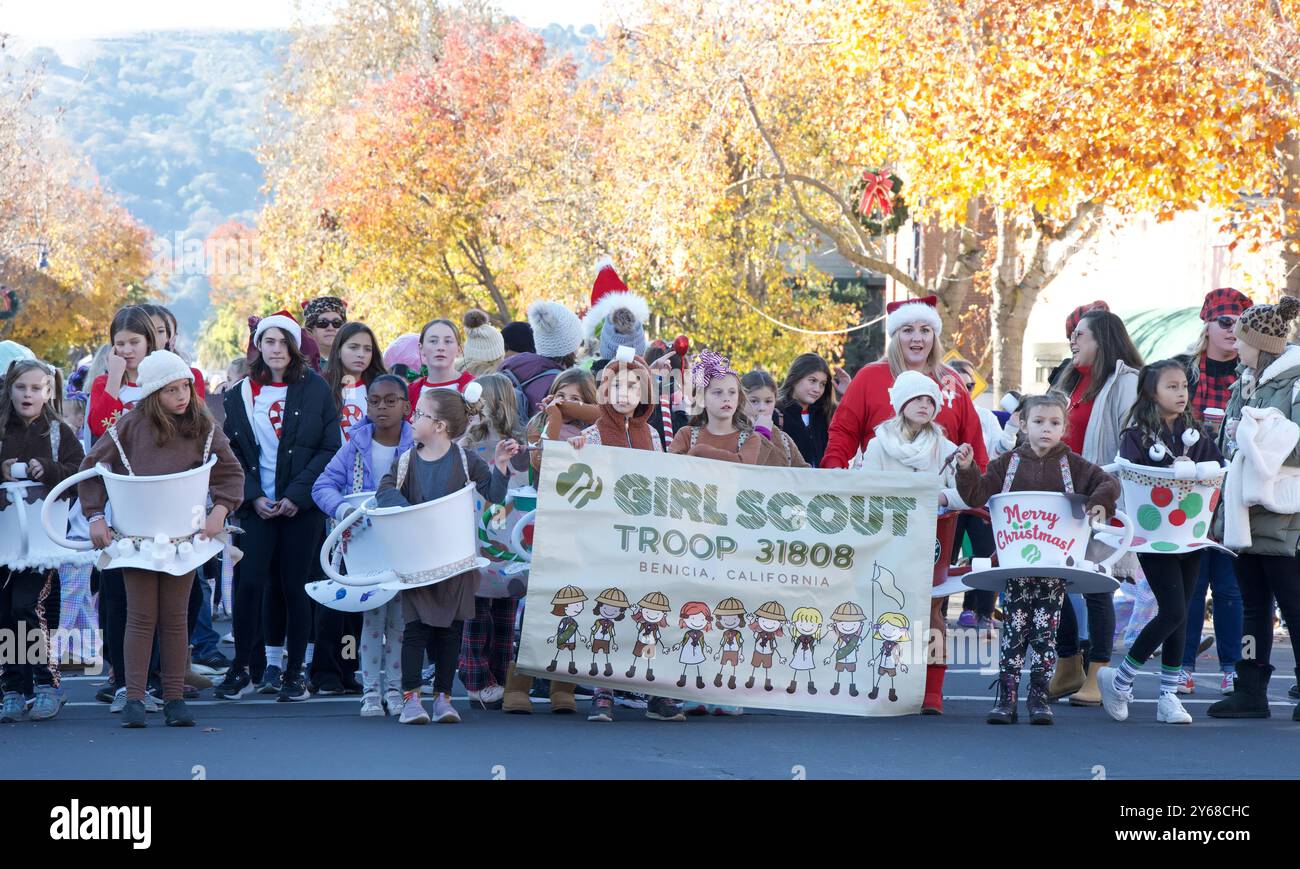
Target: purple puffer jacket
336, 480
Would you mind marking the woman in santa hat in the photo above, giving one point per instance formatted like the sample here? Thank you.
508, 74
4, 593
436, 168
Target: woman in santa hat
914, 330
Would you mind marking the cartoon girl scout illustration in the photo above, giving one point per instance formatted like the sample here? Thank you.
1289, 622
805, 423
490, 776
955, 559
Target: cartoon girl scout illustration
846, 625
766, 626
651, 616
892, 629
806, 629
729, 616
697, 620
611, 606
567, 603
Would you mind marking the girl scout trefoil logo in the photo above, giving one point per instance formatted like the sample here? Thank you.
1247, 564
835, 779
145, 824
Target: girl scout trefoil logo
579, 484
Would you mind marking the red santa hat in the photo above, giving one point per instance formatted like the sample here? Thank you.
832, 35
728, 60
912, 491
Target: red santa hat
924, 310
607, 280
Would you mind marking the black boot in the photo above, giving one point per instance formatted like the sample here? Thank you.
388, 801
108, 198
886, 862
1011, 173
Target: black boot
853, 690
874, 692
1249, 699
749, 683
699, 681
550, 668
1040, 711
731, 682
681, 683
1004, 710
609, 669
631, 671
593, 670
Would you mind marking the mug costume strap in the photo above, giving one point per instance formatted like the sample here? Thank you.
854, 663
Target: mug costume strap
207, 445
1012, 467
112, 433
403, 465
358, 473
1066, 477
464, 461
56, 437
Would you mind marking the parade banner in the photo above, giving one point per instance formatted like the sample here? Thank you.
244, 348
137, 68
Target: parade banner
731, 584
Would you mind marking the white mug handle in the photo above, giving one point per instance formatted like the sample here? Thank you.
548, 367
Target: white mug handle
327, 551
1125, 542
16, 492
517, 535
59, 536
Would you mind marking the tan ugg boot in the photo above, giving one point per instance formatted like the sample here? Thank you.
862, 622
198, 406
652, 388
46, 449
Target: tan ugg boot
1090, 693
562, 697
516, 698
1068, 678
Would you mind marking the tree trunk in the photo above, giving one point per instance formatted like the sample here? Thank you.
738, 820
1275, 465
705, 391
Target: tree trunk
1290, 155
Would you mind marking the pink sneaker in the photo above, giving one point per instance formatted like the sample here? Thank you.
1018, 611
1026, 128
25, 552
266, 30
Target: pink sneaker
1186, 684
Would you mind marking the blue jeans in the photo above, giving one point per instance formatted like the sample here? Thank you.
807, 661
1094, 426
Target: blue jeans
1218, 571
204, 638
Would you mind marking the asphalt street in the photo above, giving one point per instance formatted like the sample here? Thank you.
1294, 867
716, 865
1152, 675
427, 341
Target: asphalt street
326, 738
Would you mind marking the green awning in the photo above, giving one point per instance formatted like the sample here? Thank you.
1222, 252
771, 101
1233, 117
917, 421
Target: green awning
1163, 332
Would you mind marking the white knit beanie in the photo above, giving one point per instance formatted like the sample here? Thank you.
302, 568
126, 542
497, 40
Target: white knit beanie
557, 331
160, 368
910, 385
483, 341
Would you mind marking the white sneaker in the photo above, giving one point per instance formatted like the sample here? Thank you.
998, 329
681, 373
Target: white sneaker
372, 706
489, 695
1115, 701
1229, 683
1170, 711
119, 701
394, 700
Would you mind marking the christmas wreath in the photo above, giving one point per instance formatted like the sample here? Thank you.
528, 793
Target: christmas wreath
878, 202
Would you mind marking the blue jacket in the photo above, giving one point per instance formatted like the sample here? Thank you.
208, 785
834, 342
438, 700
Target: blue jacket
336, 480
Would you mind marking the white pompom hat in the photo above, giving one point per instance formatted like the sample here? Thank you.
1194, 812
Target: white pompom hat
910, 385
160, 368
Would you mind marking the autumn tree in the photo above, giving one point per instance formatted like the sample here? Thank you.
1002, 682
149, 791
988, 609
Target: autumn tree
1254, 39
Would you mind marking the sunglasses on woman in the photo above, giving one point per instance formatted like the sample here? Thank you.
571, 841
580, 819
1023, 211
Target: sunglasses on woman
328, 324
1226, 322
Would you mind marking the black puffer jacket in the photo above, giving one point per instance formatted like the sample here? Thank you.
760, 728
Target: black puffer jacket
309, 439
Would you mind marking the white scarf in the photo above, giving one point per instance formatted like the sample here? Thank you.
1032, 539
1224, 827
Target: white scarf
921, 454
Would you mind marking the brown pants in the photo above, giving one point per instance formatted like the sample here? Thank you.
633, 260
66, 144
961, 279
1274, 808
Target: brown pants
156, 600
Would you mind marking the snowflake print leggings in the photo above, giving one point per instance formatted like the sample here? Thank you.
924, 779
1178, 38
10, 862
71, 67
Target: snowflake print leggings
1033, 609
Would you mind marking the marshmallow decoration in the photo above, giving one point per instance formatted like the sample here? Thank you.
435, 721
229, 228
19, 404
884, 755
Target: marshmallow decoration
125, 548
1191, 437
1158, 452
625, 354
18, 470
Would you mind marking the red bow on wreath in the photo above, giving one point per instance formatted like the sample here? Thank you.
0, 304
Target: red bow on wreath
879, 192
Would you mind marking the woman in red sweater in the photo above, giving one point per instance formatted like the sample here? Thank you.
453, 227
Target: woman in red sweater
914, 328
134, 335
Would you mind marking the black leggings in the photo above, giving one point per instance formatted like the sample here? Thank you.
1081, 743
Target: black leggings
112, 621
1263, 579
1172, 579
1101, 628
278, 554
981, 546
443, 645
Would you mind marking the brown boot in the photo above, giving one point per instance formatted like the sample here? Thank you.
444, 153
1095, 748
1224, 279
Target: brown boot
1090, 693
1068, 678
562, 697
516, 698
